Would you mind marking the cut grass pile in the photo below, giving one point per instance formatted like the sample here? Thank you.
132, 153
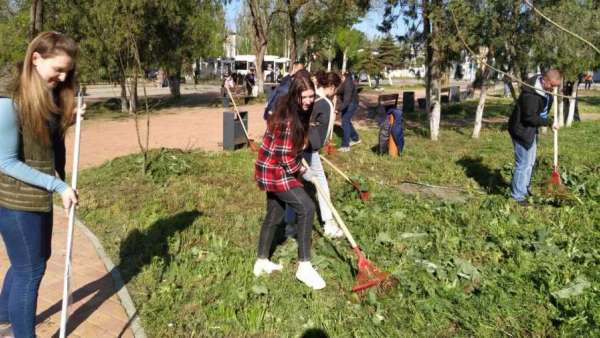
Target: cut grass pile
184, 237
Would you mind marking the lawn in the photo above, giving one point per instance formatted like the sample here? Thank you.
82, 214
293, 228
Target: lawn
184, 238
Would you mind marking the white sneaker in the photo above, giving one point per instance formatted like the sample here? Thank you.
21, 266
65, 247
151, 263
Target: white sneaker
344, 149
331, 229
309, 276
353, 143
6, 331
264, 265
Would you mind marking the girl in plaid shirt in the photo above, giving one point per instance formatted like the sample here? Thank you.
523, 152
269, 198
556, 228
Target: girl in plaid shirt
277, 172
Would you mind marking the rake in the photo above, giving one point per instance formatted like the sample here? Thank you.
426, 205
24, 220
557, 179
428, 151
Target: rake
362, 192
368, 274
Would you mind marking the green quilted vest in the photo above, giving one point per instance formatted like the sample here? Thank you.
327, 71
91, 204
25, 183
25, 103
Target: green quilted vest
17, 195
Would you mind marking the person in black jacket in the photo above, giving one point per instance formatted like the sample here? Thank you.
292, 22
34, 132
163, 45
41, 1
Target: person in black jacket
349, 98
319, 133
530, 113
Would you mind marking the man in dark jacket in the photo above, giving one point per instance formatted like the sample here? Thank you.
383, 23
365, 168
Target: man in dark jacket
282, 89
348, 95
530, 113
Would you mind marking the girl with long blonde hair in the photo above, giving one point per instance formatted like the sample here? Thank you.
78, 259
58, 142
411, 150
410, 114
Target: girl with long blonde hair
33, 123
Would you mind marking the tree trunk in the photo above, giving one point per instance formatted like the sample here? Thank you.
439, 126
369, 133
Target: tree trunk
436, 76
124, 101
294, 44
513, 92
260, 24
133, 96
428, 54
479, 112
329, 59
561, 110
345, 60
260, 56
175, 82
36, 18
572, 102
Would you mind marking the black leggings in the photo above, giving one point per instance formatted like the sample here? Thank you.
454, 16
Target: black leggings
304, 208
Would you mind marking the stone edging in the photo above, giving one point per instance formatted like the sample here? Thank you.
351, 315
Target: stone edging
123, 294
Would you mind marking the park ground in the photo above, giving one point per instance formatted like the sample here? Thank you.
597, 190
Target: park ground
468, 261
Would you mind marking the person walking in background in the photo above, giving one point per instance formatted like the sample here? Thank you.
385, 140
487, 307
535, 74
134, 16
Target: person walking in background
530, 113
588, 80
348, 97
281, 90
32, 127
250, 80
277, 171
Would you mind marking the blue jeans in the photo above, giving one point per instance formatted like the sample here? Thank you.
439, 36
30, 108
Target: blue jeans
524, 161
27, 237
349, 131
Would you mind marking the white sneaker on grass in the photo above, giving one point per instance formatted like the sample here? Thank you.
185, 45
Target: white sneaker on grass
263, 265
331, 229
309, 276
353, 143
344, 149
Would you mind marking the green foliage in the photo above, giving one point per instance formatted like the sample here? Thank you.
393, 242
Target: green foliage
185, 243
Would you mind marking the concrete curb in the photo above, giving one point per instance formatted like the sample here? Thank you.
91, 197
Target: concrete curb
123, 294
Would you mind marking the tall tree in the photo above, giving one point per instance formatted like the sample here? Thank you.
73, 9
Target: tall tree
262, 13
36, 18
349, 41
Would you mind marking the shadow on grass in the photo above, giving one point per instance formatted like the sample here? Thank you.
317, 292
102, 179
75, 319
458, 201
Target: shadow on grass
314, 333
137, 250
591, 100
489, 179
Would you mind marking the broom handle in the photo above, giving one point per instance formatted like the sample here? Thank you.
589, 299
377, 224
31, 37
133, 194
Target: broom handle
66, 300
336, 169
554, 130
237, 112
333, 210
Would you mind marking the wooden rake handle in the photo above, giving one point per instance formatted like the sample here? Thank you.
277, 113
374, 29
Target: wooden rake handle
337, 169
336, 215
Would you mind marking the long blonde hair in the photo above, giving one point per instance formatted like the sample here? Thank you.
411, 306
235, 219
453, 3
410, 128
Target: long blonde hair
34, 102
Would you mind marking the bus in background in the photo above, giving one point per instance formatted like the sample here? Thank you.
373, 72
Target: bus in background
243, 64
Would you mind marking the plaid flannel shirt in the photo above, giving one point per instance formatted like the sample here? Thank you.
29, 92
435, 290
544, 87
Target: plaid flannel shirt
276, 167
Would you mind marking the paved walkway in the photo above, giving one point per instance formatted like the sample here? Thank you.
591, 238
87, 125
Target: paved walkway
96, 309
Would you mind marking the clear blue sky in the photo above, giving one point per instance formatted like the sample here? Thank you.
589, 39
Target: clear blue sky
368, 24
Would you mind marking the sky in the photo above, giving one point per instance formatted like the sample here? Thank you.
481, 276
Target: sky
367, 25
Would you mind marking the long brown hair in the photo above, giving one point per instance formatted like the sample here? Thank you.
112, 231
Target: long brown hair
289, 110
34, 102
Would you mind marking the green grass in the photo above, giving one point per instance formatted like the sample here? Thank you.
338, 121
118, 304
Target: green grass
184, 238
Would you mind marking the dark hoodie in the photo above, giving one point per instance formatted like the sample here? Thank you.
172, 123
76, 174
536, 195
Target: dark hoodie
527, 114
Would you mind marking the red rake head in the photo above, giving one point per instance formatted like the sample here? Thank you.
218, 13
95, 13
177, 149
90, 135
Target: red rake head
363, 194
368, 274
555, 178
330, 149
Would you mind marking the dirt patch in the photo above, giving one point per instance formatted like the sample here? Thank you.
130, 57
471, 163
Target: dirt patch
445, 194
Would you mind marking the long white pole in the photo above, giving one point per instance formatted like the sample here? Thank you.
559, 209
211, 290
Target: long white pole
66, 299
555, 162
